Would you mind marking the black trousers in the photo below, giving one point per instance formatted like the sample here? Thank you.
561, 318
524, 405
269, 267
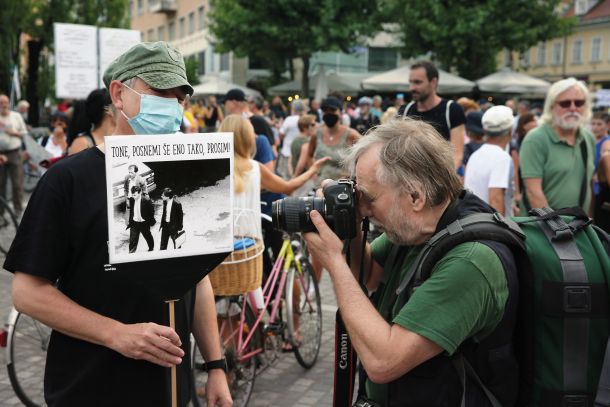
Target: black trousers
165, 235
134, 236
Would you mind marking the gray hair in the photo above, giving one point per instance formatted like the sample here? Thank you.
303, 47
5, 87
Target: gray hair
414, 157
557, 89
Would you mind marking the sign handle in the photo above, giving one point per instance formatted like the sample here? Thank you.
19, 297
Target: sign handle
172, 324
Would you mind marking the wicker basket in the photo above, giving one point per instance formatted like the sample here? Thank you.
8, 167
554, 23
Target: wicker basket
242, 271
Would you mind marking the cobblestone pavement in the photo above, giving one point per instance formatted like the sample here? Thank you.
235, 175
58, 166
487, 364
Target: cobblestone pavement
286, 383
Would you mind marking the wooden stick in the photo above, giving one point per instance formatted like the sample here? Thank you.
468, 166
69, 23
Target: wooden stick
172, 324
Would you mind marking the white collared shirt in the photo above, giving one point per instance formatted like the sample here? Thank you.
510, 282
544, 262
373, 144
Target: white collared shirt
168, 209
137, 210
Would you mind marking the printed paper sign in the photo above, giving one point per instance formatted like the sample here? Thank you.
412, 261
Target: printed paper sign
169, 195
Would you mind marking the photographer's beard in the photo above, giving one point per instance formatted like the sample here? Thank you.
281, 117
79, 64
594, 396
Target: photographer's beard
402, 230
568, 121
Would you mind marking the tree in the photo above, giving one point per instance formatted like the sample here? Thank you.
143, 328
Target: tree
468, 35
280, 30
36, 18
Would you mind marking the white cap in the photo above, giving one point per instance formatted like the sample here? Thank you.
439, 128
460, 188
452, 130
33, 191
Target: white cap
497, 120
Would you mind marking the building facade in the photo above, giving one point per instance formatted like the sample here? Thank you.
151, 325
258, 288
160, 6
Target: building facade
584, 54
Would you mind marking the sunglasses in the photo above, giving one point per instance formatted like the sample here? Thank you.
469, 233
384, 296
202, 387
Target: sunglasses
567, 103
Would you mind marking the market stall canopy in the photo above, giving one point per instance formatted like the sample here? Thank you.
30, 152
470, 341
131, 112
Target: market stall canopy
397, 80
214, 85
507, 81
343, 82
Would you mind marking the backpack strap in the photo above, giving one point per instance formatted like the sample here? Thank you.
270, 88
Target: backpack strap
584, 185
405, 113
576, 299
465, 370
448, 115
602, 399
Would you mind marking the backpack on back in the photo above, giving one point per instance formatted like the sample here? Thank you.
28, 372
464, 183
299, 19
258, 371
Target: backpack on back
562, 332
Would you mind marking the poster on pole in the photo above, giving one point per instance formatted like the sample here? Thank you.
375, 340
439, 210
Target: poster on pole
169, 196
76, 63
113, 43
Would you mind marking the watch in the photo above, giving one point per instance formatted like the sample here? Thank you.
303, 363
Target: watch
215, 364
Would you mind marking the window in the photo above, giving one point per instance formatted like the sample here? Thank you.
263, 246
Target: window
191, 22
382, 59
161, 33
152, 3
596, 49
201, 63
171, 30
181, 27
201, 17
557, 56
577, 52
525, 59
508, 58
140, 7
130, 10
224, 62
151, 35
542, 53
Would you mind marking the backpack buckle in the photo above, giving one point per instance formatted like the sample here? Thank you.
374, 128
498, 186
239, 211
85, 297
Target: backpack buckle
576, 299
575, 401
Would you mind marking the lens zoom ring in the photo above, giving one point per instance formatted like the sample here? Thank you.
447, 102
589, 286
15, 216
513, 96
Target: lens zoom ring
292, 216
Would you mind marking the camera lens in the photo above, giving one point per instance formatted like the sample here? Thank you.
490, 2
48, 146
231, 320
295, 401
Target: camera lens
292, 214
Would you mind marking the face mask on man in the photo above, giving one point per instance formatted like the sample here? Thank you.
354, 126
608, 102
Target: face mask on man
330, 119
157, 115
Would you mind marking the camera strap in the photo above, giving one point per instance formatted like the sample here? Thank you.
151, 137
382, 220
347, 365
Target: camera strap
345, 354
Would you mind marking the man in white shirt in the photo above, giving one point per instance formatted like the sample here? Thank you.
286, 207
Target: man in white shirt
171, 219
12, 130
288, 132
489, 172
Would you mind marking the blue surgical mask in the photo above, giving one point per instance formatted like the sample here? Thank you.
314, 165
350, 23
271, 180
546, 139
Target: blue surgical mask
157, 115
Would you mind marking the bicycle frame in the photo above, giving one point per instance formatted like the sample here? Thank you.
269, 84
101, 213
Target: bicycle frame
281, 266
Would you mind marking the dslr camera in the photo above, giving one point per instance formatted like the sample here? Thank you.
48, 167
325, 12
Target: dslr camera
338, 208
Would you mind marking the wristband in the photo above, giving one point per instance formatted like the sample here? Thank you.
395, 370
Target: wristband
215, 364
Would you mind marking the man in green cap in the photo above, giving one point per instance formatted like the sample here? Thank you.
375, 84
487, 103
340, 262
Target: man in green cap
110, 345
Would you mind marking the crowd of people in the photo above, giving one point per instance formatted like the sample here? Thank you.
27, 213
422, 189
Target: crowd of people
418, 166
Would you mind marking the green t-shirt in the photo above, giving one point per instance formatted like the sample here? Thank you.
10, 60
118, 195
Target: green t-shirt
295, 150
544, 155
464, 296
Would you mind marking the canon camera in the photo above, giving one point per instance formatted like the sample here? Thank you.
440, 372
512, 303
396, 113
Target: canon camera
338, 208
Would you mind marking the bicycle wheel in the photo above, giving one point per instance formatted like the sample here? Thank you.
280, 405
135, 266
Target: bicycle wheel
8, 226
241, 373
304, 314
27, 345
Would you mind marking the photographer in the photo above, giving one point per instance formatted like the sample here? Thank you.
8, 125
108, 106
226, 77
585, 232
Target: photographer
412, 348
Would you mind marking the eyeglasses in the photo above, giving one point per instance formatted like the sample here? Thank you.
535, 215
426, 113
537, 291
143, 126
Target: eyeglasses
567, 103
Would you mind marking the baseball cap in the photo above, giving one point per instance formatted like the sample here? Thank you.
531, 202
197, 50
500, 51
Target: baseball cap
157, 63
473, 122
365, 100
235, 94
497, 120
331, 102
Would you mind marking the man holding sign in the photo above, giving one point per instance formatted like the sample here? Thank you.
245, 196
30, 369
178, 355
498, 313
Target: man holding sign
110, 345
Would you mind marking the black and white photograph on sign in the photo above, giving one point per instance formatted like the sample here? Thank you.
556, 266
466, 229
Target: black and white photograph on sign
170, 196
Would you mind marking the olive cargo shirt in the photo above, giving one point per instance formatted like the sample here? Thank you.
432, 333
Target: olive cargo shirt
464, 296
544, 155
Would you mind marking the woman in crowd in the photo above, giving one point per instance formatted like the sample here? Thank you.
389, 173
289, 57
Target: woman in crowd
57, 143
97, 121
331, 140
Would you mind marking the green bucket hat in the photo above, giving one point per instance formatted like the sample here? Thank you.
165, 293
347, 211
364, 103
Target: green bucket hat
156, 63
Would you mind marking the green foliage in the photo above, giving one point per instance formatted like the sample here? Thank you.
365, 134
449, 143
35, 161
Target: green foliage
280, 30
192, 70
468, 35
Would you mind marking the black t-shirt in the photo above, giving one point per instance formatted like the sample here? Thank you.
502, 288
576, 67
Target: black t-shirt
437, 116
261, 127
63, 237
362, 125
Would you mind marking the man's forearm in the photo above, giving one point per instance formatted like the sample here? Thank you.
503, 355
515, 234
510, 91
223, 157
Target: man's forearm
205, 326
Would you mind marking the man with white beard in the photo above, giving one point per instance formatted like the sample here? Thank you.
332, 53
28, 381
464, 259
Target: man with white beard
557, 157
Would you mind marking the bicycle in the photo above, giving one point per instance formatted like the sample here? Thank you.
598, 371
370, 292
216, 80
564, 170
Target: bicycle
8, 226
292, 305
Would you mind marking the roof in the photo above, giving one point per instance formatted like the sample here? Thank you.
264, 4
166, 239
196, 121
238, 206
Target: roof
600, 10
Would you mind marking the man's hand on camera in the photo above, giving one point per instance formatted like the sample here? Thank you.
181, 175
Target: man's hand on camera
324, 245
154, 343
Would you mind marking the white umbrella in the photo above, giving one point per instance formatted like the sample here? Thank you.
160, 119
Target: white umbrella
507, 81
398, 80
213, 85
321, 85
348, 83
